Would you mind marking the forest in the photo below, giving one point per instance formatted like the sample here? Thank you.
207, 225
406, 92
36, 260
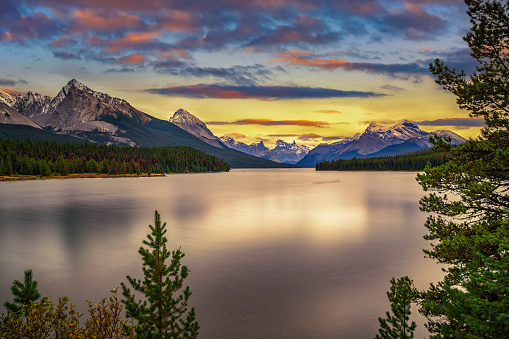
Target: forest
407, 162
50, 158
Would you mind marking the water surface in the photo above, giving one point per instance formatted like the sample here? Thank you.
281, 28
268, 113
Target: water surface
273, 253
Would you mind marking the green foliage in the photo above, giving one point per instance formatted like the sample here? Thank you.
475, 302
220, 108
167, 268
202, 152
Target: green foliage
467, 197
401, 295
24, 293
407, 162
44, 319
26, 157
163, 313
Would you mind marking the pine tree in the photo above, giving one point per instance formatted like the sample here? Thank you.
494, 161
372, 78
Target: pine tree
164, 312
395, 326
468, 195
24, 293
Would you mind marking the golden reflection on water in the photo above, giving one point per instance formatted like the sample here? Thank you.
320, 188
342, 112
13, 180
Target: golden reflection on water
302, 252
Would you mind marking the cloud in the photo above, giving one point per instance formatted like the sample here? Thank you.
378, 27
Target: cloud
63, 41
332, 138
133, 59
332, 111
237, 75
412, 21
89, 20
37, 26
120, 70
11, 91
378, 122
236, 136
309, 136
283, 135
258, 92
392, 88
403, 71
269, 122
457, 58
66, 55
130, 41
11, 82
457, 122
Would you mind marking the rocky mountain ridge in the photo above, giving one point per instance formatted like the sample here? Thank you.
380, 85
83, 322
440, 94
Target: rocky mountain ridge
282, 151
376, 141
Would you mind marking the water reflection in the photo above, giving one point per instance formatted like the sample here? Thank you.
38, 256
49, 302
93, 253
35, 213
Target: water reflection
272, 253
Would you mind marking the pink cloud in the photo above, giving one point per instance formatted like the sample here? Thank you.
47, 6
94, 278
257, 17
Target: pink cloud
133, 59
89, 20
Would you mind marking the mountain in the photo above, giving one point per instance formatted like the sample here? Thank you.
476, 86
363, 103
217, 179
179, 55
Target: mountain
283, 152
377, 141
80, 112
9, 115
31, 104
193, 125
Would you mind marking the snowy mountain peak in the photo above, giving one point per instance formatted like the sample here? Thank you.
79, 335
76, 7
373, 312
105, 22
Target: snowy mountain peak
281, 152
181, 116
73, 83
7, 99
193, 125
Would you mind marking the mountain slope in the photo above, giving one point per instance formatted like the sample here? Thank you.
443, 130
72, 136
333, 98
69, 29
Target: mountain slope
9, 115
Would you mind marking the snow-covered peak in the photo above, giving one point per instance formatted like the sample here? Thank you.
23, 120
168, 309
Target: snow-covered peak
400, 131
455, 138
7, 99
181, 116
193, 125
374, 128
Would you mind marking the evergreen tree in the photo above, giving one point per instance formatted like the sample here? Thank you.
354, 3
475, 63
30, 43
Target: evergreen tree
24, 293
164, 312
465, 228
401, 296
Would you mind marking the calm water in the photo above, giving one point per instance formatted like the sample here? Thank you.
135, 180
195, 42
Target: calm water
273, 253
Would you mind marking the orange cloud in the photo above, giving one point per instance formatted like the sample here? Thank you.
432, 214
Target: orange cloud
11, 91
89, 19
426, 48
131, 40
296, 52
236, 135
320, 63
269, 122
327, 111
133, 59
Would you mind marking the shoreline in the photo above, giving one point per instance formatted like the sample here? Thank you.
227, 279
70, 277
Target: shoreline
76, 176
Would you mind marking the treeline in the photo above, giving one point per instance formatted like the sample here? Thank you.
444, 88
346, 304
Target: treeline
46, 158
408, 162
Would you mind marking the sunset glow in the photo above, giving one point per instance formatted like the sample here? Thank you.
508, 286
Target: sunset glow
263, 70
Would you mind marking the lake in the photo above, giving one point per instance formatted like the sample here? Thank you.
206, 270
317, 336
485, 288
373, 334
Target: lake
273, 253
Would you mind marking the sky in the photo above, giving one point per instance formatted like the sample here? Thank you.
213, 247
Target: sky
259, 70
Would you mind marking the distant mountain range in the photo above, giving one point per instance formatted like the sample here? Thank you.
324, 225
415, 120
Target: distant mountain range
284, 152
80, 113
377, 141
